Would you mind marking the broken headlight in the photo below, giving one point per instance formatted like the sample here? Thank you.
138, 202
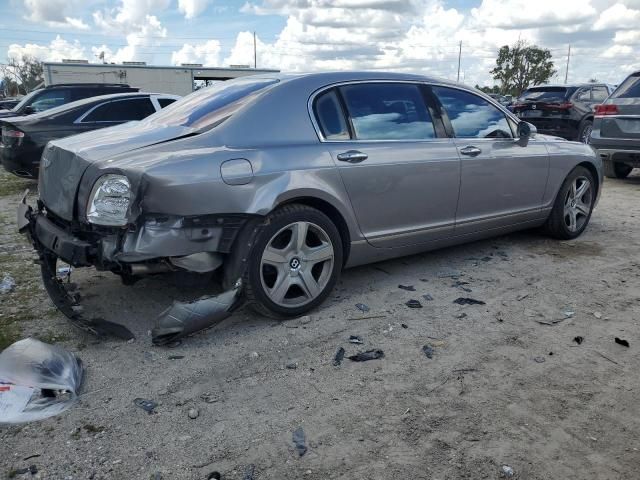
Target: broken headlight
109, 200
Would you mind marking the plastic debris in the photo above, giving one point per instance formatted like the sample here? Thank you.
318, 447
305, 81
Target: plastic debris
7, 284
428, 351
147, 405
182, 319
468, 301
449, 273
214, 476
337, 358
37, 381
404, 325
408, 288
507, 471
622, 342
578, 339
193, 413
362, 307
249, 472
461, 315
413, 304
461, 285
368, 355
427, 297
355, 339
299, 441
539, 359
569, 313
64, 272
32, 469
598, 315
291, 366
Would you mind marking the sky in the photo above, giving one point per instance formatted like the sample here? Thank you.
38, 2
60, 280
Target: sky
420, 36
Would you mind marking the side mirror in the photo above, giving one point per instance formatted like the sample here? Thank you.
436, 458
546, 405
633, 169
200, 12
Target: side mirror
28, 110
526, 130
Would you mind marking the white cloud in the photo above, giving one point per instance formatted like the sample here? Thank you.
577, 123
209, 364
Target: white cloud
55, 51
616, 51
628, 37
519, 14
54, 13
192, 8
207, 54
616, 17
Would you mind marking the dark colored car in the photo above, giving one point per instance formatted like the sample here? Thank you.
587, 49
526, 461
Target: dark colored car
9, 103
56, 95
616, 129
562, 110
24, 138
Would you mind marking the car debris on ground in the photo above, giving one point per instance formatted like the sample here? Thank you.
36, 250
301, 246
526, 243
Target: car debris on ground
413, 304
366, 356
622, 342
146, 405
299, 441
7, 284
37, 381
337, 358
468, 301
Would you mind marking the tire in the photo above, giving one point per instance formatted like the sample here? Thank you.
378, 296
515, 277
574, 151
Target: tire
572, 209
305, 271
585, 131
615, 170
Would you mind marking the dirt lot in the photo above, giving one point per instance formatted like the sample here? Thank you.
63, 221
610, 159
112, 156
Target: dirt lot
507, 384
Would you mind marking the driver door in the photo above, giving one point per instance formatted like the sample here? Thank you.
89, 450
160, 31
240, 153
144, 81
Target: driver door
502, 179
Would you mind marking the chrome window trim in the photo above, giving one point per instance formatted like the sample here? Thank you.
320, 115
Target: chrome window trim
80, 119
427, 83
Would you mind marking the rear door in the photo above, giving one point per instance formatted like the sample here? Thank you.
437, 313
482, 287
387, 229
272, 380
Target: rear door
119, 111
623, 123
502, 179
401, 173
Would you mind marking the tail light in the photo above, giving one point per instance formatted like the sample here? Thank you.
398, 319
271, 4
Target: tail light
563, 106
6, 132
604, 110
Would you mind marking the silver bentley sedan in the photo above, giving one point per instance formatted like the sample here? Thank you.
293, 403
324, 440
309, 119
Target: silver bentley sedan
279, 182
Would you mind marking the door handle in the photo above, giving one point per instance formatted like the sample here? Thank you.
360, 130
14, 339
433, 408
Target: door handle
352, 156
470, 151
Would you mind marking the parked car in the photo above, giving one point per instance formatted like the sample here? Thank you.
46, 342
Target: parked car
24, 138
8, 103
354, 168
56, 95
501, 99
562, 110
616, 129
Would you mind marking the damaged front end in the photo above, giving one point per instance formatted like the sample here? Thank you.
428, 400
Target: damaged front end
153, 244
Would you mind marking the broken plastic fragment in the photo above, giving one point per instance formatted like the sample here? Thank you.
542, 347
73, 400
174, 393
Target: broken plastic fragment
37, 381
622, 342
468, 301
362, 307
368, 355
408, 288
299, 441
7, 284
337, 359
182, 319
355, 339
413, 304
147, 405
428, 351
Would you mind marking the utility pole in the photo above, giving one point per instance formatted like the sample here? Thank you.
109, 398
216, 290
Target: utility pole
566, 74
255, 52
459, 58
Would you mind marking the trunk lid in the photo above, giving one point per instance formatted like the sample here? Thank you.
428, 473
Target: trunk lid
64, 161
539, 102
624, 121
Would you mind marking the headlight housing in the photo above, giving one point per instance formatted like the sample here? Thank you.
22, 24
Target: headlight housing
110, 200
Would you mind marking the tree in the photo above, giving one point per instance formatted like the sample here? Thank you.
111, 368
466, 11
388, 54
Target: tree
26, 71
520, 66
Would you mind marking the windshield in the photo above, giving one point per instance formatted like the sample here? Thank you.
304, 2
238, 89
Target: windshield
26, 100
545, 94
208, 107
630, 88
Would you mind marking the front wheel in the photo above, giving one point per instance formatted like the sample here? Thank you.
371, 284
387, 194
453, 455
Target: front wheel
573, 206
295, 262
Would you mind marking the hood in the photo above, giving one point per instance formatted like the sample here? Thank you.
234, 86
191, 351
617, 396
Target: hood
65, 161
8, 113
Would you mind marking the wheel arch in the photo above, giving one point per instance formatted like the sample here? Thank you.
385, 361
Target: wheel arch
594, 171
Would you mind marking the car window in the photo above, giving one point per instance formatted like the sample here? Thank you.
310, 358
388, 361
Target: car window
584, 95
210, 106
599, 94
121, 111
472, 116
330, 117
165, 101
630, 88
388, 111
49, 99
545, 94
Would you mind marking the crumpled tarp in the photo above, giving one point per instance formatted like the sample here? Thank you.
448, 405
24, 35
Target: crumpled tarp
37, 381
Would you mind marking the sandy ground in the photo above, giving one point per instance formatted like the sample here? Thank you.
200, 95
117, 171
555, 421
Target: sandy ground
507, 384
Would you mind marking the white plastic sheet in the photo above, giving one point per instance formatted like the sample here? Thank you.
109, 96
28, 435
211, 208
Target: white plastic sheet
37, 381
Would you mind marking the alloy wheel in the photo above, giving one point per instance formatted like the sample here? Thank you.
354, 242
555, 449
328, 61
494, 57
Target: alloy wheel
586, 134
577, 205
296, 264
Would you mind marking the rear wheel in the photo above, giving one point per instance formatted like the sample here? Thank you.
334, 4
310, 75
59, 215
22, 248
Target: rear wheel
615, 169
573, 206
295, 262
585, 131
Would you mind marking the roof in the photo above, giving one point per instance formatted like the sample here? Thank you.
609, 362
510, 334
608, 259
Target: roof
345, 76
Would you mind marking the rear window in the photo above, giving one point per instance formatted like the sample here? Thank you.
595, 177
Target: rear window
545, 94
630, 88
208, 107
